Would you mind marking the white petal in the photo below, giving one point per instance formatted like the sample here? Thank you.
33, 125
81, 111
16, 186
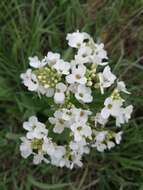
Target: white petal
58, 129
108, 101
37, 159
34, 62
49, 92
52, 120
105, 113
33, 119
26, 126
52, 58
77, 136
61, 87
25, 149
70, 79
118, 137
122, 87
110, 144
30, 135
59, 98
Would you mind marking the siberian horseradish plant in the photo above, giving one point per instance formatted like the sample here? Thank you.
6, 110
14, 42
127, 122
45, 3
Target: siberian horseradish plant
86, 97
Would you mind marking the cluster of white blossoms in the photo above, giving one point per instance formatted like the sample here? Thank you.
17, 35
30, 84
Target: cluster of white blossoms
73, 85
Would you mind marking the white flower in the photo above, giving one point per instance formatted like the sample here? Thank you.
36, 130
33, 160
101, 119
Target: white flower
63, 162
48, 146
59, 151
77, 75
76, 160
62, 67
59, 96
99, 141
71, 87
32, 122
112, 107
25, 147
100, 146
79, 147
55, 152
122, 87
36, 63
59, 121
99, 55
100, 136
38, 158
127, 112
110, 144
76, 39
30, 80
118, 137
57, 157
68, 115
39, 132
80, 130
52, 58
83, 55
106, 79
80, 114
99, 119
124, 116
83, 94
35, 128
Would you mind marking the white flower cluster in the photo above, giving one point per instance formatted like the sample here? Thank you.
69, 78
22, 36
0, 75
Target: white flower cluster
73, 84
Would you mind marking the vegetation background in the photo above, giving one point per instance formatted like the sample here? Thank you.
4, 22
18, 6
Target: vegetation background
34, 27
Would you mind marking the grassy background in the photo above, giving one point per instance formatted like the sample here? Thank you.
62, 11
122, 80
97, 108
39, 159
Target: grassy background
34, 27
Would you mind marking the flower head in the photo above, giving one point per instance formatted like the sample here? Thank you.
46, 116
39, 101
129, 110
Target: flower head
30, 80
77, 75
81, 111
83, 94
76, 39
52, 58
81, 130
36, 63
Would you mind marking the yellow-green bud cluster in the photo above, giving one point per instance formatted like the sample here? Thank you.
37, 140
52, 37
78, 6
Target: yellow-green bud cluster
90, 75
68, 154
36, 144
115, 95
47, 77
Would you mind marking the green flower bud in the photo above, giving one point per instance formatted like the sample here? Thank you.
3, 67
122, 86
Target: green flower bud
36, 144
47, 77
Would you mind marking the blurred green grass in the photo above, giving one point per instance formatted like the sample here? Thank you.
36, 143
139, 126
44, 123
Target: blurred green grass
37, 26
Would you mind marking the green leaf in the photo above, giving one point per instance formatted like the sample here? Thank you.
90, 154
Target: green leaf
44, 186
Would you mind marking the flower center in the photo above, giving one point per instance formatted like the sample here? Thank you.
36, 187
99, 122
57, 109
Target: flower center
37, 144
81, 95
78, 76
84, 55
79, 128
78, 45
109, 106
61, 121
81, 113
